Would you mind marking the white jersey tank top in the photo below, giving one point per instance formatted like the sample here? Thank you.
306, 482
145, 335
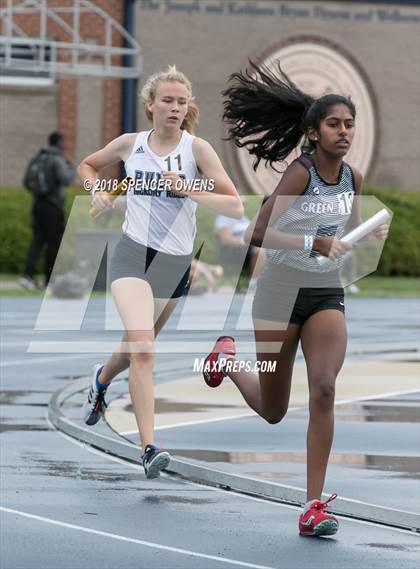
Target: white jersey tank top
156, 217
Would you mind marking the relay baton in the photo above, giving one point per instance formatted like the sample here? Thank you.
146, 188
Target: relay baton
111, 196
359, 232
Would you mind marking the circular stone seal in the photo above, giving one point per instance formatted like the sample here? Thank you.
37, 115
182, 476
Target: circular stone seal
318, 68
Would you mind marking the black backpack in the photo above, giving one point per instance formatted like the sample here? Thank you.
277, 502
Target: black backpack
39, 177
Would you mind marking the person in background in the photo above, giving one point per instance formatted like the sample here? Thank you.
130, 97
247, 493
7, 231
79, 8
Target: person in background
46, 176
201, 271
230, 233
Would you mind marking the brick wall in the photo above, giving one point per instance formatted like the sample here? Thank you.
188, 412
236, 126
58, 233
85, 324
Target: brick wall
208, 47
27, 115
63, 114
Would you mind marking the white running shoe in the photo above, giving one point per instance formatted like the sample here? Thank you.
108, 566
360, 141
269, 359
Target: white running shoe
95, 406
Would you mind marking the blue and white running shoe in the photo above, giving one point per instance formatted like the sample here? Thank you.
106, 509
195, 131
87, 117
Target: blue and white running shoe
95, 406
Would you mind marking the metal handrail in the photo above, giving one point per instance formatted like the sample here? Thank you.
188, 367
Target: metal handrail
67, 57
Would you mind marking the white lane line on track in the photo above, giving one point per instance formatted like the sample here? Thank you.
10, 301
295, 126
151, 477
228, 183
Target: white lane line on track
238, 495
188, 423
253, 414
133, 540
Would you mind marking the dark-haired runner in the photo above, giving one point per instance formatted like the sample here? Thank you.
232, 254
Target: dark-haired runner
297, 298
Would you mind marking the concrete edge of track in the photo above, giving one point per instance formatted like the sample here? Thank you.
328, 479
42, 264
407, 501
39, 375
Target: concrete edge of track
192, 471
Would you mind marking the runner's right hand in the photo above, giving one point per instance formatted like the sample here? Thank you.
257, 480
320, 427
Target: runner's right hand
331, 247
101, 201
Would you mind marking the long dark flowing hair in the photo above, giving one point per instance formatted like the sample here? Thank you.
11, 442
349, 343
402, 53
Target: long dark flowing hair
268, 114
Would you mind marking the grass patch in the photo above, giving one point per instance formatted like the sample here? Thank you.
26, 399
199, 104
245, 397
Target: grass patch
389, 286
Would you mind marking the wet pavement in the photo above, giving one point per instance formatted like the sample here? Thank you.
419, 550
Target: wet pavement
89, 509
373, 462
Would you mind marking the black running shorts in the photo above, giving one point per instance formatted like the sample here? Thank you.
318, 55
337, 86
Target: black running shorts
282, 296
167, 274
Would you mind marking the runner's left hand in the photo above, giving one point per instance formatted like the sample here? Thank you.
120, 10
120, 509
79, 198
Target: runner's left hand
381, 232
177, 185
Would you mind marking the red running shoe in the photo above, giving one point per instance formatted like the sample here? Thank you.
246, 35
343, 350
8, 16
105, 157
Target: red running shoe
212, 374
317, 522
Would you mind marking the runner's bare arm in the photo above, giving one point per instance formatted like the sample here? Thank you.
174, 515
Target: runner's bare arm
116, 150
259, 232
224, 199
356, 215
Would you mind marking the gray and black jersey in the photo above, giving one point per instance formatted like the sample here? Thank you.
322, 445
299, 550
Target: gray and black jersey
323, 209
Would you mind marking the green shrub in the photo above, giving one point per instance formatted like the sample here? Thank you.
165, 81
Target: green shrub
401, 255
15, 226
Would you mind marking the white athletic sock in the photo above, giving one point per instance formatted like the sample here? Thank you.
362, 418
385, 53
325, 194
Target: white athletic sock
308, 505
